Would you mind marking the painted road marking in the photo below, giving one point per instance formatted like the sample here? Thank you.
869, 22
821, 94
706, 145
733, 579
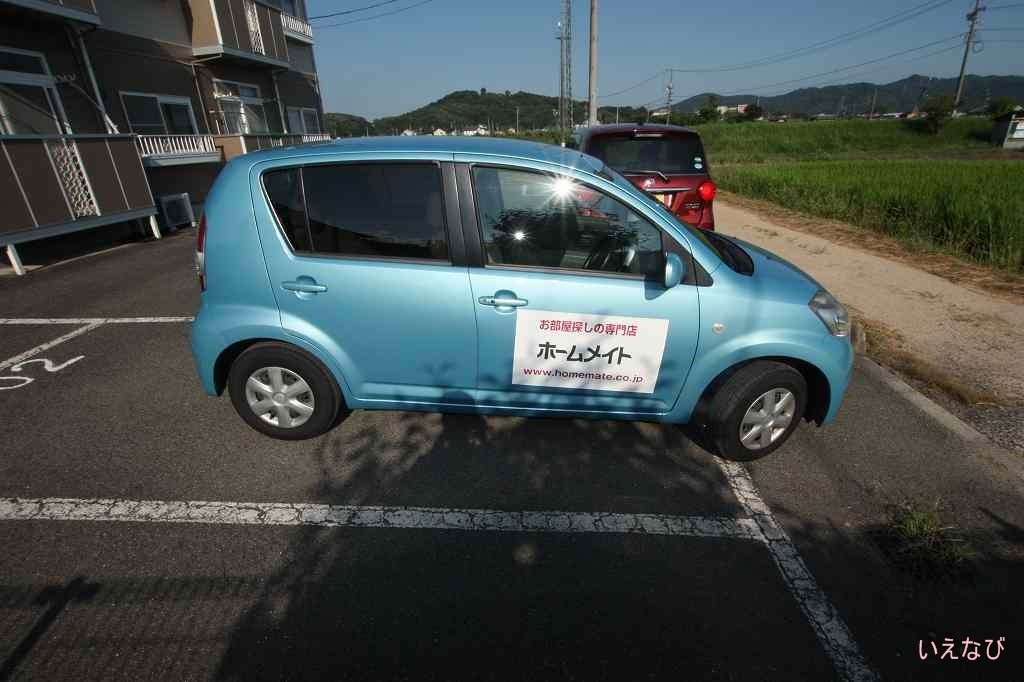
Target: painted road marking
833, 634
329, 515
21, 357
92, 320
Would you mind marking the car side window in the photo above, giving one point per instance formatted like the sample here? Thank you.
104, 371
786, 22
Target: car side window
284, 189
387, 209
547, 221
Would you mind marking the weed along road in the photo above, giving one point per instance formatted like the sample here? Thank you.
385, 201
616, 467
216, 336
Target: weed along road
148, 532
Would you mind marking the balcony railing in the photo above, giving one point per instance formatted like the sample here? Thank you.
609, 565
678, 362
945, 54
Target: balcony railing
235, 145
157, 150
81, 10
297, 28
63, 183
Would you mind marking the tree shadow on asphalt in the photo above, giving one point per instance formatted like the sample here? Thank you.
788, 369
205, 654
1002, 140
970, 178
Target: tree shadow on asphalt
399, 603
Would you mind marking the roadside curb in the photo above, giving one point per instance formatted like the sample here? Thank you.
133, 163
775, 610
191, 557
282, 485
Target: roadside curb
922, 402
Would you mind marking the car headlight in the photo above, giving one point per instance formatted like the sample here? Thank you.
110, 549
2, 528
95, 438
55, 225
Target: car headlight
831, 313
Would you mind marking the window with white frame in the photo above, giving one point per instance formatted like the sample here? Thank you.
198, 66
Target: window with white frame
241, 107
29, 101
153, 114
303, 120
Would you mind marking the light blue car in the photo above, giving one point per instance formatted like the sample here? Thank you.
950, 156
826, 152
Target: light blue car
501, 277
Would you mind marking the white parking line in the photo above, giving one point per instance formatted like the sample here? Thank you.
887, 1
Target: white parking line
828, 625
303, 514
92, 320
9, 362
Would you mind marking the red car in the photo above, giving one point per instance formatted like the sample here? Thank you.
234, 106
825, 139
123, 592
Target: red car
666, 161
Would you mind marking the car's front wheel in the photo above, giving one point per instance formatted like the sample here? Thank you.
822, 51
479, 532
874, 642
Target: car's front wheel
284, 393
756, 410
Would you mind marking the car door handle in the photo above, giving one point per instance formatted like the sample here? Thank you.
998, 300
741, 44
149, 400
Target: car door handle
508, 301
304, 287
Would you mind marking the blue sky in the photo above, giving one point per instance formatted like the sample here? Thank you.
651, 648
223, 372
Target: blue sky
390, 65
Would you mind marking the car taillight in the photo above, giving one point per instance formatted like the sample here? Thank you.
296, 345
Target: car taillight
201, 253
707, 190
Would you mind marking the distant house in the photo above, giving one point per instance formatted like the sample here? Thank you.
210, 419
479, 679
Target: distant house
439, 132
408, 132
481, 129
732, 109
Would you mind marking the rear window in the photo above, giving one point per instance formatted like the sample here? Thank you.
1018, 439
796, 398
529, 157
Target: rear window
650, 152
393, 210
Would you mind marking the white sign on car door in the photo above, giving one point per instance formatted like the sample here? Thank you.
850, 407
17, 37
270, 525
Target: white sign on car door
590, 352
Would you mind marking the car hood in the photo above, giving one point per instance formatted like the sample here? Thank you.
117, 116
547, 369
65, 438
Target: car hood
777, 275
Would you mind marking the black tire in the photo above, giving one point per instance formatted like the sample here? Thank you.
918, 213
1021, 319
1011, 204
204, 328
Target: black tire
731, 401
327, 400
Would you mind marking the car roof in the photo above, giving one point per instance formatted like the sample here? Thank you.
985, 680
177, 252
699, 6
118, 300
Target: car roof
619, 128
474, 145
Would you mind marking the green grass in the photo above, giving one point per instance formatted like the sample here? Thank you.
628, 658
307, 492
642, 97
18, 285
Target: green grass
971, 209
918, 541
817, 140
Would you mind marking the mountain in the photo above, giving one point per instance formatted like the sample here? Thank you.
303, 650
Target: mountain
347, 125
855, 98
464, 109
468, 108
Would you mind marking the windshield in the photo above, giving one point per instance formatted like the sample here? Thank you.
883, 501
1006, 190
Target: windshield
680, 154
611, 174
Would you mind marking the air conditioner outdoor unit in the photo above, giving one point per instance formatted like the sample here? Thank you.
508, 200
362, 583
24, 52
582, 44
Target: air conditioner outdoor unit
177, 210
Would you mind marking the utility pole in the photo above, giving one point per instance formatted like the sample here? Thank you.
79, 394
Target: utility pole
616, 114
517, 120
592, 94
565, 77
668, 99
972, 18
874, 99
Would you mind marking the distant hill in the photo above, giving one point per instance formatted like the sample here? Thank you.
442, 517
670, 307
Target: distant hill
347, 125
468, 108
465, 109
855, 98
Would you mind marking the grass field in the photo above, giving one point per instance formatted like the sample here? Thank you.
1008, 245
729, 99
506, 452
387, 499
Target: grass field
818, 140
972, 209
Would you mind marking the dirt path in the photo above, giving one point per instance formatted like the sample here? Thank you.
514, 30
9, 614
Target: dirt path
975, 337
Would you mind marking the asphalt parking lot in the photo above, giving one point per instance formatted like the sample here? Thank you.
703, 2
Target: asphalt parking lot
149, 533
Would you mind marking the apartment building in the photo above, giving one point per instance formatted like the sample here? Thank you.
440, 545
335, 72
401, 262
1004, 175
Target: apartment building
108, 105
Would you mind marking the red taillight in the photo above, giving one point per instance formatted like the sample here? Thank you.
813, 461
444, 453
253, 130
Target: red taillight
201, 253
707, 190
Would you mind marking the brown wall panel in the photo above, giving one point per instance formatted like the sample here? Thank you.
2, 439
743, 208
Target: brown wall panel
203, 24
237, 14
40, 183
126, 63
126, 156
84, 5
298, 90
102, 176
196, 179
15, 210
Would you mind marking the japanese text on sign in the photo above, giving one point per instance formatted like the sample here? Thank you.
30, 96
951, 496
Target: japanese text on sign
588, 352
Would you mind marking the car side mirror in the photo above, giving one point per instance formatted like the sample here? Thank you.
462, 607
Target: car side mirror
674, 270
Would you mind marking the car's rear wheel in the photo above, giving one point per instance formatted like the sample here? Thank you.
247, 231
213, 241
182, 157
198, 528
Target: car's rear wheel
283, 392
756, 410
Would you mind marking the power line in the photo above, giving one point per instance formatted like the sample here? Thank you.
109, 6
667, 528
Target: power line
1013, 5
898, 18
748, 90
633, 87
352, 11
375, 16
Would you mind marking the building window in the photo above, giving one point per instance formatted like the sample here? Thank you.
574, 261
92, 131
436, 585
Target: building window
29, 101
241, 107
150, 114
304, 120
